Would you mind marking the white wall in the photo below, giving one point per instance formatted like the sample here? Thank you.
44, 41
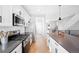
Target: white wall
67, 10
6, 15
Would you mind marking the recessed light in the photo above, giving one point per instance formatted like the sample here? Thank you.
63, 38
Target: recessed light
38, 10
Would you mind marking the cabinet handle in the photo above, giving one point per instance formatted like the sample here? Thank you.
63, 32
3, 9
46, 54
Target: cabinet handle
49, 41
56, 50
15, 52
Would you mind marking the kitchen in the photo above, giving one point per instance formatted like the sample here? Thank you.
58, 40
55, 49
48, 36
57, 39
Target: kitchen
39, 28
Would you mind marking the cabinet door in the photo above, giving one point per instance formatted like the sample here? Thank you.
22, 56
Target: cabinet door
6, 15
51, 45
18, 49
0, 10
16, 9
58, 48
0, 14
55, 47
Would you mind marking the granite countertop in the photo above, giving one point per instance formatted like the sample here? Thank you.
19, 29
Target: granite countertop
12, 44
68, 42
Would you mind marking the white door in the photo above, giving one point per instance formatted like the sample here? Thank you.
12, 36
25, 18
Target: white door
40, 25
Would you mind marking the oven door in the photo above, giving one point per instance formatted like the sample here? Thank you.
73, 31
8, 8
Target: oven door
26, 45
25, 42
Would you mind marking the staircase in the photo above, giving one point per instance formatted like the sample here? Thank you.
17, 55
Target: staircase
67, 22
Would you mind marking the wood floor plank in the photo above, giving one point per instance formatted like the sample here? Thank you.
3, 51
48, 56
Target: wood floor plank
40, 45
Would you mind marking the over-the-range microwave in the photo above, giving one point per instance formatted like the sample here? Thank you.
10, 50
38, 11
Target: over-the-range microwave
17, 20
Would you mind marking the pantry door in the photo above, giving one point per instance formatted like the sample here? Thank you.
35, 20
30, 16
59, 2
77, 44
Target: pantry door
40, 25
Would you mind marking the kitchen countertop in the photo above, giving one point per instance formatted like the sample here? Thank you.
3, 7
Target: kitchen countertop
68, 42
12, 44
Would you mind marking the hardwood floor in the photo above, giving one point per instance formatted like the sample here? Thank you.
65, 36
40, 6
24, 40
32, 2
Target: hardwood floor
40, 45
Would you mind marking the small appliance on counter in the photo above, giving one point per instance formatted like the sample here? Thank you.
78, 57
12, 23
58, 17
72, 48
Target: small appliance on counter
4, 39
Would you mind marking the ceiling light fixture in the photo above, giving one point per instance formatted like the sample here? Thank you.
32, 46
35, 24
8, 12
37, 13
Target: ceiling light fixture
59, 12
38, 10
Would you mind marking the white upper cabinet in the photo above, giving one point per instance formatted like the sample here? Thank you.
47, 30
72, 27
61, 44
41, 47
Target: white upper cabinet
26, 16
17, 9
0, 15
6, 15
0, 10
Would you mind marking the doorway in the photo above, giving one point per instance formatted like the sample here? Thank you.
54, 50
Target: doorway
40, 25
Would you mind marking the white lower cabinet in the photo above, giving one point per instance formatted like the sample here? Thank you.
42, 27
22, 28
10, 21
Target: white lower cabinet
18, 49
51, 45
54, 47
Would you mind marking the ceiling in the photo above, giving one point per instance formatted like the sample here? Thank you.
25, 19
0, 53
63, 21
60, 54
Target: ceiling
51, 11
43, 10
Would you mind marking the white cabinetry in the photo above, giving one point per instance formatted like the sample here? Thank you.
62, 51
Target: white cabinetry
17, 9
6, 12
0, 10
52, 45
0, 15
55, 47
18, 49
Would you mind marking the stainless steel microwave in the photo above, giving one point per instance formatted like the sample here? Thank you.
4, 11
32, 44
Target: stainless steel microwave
17, 20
